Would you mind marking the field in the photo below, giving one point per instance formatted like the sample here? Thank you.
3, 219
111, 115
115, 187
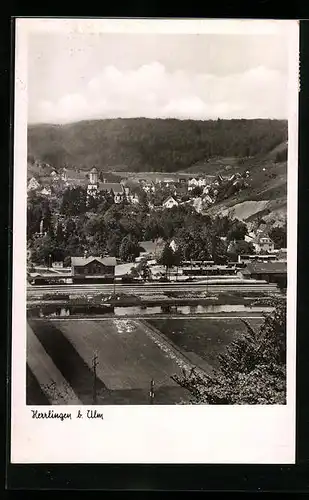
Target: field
60, 355
202, 340
130, 353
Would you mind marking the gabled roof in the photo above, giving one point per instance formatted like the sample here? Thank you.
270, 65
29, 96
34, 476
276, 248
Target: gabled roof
169, 198
83, 261
116, 187
260, 236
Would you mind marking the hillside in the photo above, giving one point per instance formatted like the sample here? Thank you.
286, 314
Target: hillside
266, 196
153, 145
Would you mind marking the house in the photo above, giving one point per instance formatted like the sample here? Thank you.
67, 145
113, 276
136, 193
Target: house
93, 266
134, 199
64, 174
170, 202
201, 182
208, 200
207, 189
182, 180
192, 183
167, 182
220, 179
249, 239
198, 204
149, 187
272, 272
54, 174
263, 244
126, 190
33, 184
46, 191
115, 188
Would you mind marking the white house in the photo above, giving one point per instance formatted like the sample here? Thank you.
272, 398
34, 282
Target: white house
202, 182
207, 199
46, 191
170, 202
198, 204
263, 244
167, 182
192, 183
64, 174
206, 189
33, 184
54, 174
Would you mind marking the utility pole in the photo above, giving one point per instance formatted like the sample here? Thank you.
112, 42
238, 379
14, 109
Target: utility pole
94, 367
151, 393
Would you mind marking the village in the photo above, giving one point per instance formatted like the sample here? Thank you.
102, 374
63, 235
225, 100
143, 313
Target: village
196, 192
200, 191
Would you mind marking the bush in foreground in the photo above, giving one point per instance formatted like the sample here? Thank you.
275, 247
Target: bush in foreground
252, 370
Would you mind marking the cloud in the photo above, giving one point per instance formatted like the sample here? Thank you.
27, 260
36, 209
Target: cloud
152, 91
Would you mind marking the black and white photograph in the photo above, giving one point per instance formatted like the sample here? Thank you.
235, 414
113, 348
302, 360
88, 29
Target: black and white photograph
157, 169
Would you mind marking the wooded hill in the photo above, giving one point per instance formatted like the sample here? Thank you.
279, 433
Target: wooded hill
153, 145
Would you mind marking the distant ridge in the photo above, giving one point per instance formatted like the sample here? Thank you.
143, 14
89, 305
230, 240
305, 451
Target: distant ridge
151, 145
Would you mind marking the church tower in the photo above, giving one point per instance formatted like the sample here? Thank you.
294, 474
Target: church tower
93, 176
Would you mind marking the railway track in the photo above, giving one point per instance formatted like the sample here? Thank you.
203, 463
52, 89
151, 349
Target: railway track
40, 291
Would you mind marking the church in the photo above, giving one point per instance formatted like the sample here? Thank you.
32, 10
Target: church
95, 187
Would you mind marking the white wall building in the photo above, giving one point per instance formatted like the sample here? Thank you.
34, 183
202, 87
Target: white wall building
33, 184
170, 202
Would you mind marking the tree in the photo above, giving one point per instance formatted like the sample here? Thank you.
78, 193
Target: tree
129, 249
167, 258
219, 250
238, 231
278, 234
74, 201
59, 234
197, 191
134, 272
240, 247
113, 244
252, 370
42, 248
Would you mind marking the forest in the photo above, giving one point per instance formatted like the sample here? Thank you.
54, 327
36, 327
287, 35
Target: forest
154, 145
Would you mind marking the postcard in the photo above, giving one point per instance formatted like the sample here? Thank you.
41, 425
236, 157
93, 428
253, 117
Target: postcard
154, 241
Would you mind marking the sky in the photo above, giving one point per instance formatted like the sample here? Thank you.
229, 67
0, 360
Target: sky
73, 77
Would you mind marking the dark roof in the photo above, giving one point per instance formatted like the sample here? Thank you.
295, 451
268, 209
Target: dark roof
169, 198
116, 187
266, 268
83, 261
